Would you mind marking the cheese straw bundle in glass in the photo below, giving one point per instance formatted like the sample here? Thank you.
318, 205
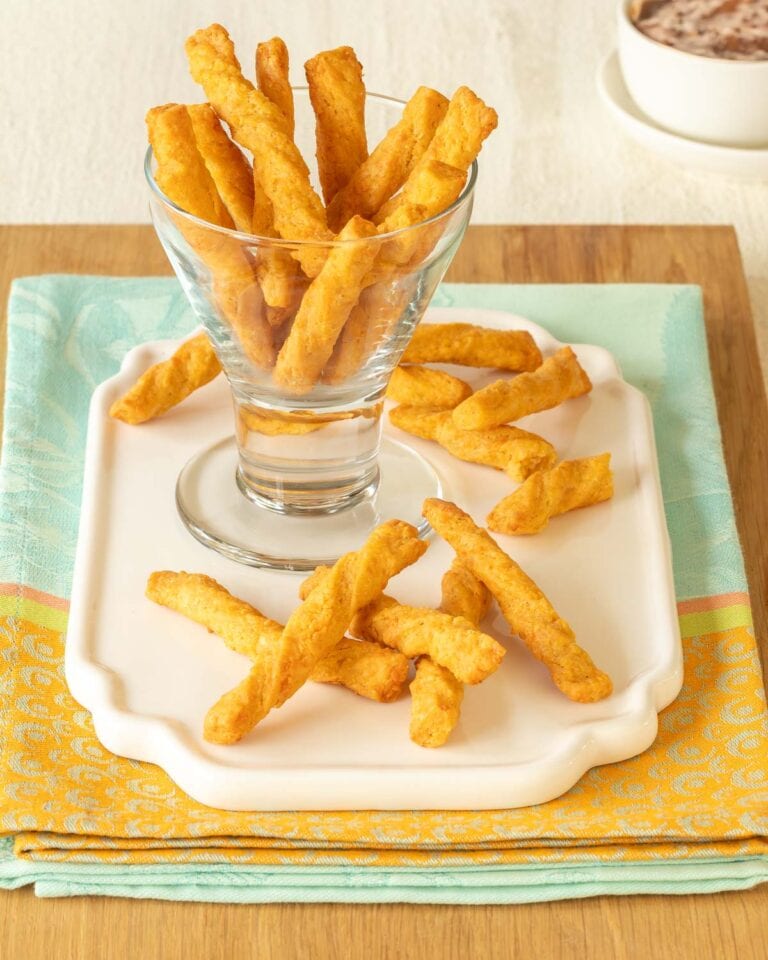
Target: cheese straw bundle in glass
308, 334
309, 284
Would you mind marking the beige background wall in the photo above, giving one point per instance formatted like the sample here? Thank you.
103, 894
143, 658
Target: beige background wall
76, 77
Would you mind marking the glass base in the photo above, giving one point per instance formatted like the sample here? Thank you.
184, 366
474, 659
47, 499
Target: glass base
217, 513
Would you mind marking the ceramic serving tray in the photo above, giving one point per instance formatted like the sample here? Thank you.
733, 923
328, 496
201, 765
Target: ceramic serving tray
148, 675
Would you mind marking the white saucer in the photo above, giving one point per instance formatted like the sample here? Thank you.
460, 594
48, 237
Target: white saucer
746, 163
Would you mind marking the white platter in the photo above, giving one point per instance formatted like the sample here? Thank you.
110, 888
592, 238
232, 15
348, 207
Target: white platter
745, 163
148, 675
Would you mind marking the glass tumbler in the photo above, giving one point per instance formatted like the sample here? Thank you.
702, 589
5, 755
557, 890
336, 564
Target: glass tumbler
308, 335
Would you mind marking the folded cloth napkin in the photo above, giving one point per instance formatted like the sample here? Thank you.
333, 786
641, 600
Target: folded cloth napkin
690, 814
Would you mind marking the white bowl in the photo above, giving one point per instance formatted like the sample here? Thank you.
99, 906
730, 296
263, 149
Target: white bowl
709, 99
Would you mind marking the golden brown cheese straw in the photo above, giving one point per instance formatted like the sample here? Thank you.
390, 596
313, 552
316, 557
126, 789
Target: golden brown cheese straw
467, 122
259, 125
516, 451
314, 629
528, 612
559, 378
167, 383
570, 485
453, 642
280, 277
436, 695
324, 309
457, 141
276, 426
463, 594
436, 698
388, 166
229, 169
473, 346
367, 669
336, 89
181, 172
420, 386
278, 274
184, 178
272, 77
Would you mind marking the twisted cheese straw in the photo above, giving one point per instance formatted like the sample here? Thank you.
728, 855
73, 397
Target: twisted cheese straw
570, 485
457, 141
272, 77
424, 387
453, 642
473, 346
432, 185
436, 694
337, 93
169, 382
517, 452
278, 274
559, 378
528, 612
226, 164
314, 629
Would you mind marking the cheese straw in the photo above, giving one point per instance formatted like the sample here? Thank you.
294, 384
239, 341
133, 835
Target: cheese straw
258, 422
184, 178
472, 346
436, 694
570, 485
272, 77
388, 166
528, 612
452, 641
227, 166
167, 383
278, 274
370, 670
516, 451
559, 378
463, 595
313, 630
421, 386
337, 93
324, 309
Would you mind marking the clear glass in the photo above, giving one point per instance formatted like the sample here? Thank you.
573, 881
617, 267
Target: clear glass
308, 335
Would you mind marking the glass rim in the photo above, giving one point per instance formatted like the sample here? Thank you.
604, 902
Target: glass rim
466, 192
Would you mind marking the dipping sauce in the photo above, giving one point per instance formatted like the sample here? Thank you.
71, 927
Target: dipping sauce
724, 29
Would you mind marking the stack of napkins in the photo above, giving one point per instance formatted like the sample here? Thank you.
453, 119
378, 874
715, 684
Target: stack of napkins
688, 815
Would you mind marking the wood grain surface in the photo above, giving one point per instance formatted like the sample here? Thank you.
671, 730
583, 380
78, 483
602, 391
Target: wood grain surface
603, 928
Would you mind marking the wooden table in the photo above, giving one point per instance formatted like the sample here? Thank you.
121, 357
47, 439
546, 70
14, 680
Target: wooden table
604, 928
